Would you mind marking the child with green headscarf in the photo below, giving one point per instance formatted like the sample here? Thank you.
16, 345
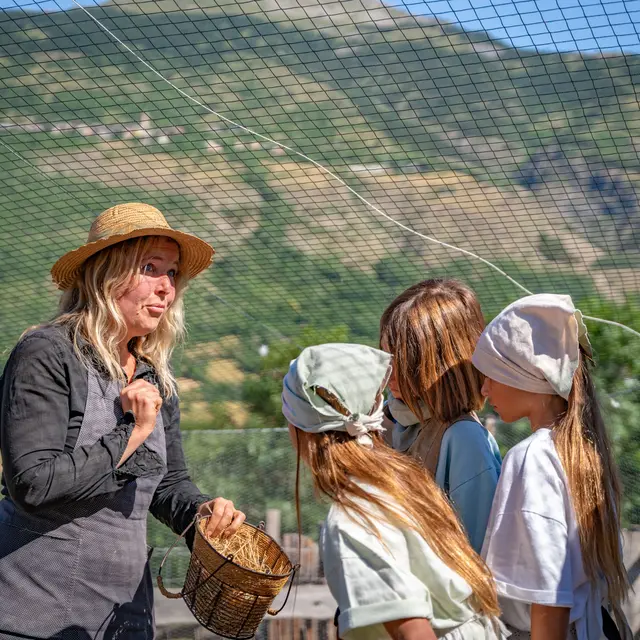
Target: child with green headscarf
396, 558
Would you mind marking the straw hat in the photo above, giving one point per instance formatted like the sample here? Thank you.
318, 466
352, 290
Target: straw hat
125, 221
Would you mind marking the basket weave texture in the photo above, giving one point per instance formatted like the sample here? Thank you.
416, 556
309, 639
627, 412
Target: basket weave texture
227, 598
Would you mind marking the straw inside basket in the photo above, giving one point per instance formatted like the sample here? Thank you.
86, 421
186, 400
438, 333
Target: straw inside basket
243, 547
249, 549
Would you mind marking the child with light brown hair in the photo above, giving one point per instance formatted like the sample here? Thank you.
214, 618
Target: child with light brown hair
431, 329
395, 556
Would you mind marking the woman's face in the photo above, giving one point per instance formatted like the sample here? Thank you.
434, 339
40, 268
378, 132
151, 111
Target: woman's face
144, 304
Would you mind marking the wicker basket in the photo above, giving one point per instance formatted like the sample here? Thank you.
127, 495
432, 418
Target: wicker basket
225, 597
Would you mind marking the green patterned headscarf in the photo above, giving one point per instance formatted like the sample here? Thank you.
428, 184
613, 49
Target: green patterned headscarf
355, 374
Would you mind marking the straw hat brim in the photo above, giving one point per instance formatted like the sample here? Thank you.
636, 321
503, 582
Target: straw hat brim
195, 254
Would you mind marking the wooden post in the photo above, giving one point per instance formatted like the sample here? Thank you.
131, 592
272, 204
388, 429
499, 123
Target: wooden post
272, 524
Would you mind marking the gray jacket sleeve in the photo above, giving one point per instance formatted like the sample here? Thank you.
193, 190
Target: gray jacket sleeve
177, 498
39, 470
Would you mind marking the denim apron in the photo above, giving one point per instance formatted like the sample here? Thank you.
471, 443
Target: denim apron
80, 571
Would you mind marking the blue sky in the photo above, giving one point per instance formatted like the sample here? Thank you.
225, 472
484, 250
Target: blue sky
44, 5
548, 25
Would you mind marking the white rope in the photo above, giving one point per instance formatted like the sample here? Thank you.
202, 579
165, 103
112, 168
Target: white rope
298, 153
33, 166
613, 324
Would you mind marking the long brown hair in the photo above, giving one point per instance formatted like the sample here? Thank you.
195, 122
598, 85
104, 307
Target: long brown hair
340, 466
431, 330
584, 448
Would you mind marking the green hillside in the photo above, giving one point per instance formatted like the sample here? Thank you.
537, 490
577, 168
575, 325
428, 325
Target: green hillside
446, 98
452, 133
527, 159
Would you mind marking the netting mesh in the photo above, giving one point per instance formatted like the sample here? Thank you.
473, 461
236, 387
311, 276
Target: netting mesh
315, 144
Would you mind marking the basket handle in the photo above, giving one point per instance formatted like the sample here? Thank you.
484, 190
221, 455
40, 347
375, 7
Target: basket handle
273, 612
165, 592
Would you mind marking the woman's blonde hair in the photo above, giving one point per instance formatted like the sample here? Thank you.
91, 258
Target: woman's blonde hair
431, 329
90, 312
584, 448
341, 468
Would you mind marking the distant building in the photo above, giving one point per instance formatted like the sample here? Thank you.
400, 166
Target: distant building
368, 168
142, 130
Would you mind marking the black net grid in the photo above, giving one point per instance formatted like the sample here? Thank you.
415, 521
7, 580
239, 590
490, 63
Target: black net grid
295, 136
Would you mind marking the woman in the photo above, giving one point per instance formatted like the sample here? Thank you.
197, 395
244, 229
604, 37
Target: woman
90, 439
553, 540
431, 330
395, 556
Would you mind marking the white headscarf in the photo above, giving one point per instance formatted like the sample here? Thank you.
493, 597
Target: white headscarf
533, 345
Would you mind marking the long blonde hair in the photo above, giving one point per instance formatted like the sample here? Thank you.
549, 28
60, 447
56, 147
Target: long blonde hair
584, 448
90, 312
431, 329
340, 466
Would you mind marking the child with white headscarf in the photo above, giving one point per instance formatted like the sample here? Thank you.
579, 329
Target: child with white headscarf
396, 558
553, 538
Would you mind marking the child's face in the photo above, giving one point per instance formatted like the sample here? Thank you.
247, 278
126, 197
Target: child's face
505, 400
509, 403
512, 404
393, 386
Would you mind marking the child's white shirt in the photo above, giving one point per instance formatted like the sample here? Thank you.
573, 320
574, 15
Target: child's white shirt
532, 544
376, 582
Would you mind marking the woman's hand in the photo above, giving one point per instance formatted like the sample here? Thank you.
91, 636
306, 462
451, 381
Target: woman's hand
144, 401
549, 623
225, 519
410, 629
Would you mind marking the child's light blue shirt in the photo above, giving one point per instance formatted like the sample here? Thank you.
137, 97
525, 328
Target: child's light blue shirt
468, 470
